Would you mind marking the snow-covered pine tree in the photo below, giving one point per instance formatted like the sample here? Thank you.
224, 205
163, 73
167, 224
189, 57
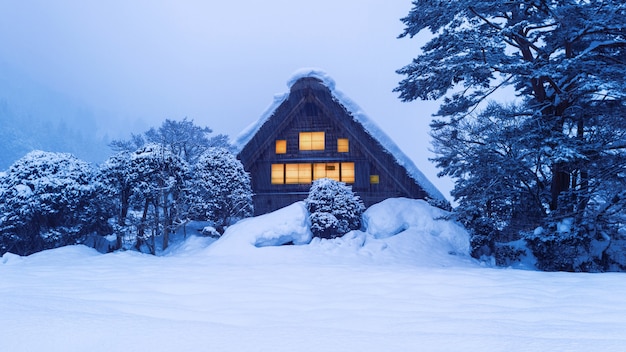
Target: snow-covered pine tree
160, 160
182, 138
117, 184
159, 180
557, 154
334, 208
48, 201
222, 191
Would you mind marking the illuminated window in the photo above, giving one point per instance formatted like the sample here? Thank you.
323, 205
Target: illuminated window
328, 170
343, 146
294, 174
297, 173
311, 140
374, 179
347, 172
281, 146
278, 174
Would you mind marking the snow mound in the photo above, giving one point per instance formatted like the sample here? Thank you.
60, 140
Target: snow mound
61, 255
191, 246
289, 225
406, 231
394, 215
10, 258
413, 228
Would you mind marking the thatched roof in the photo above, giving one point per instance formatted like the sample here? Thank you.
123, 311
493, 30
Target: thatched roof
357, 114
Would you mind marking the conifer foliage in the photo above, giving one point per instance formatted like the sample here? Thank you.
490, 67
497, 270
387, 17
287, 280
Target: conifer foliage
154, 185
555, 153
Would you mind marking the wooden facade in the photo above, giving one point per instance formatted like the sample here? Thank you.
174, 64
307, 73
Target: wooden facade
312, 135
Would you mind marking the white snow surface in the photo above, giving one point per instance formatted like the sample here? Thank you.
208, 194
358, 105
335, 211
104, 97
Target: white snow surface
404, 283
357, 114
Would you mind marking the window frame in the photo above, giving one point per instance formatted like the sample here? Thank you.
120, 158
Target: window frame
312, 141
343, 145
281, 146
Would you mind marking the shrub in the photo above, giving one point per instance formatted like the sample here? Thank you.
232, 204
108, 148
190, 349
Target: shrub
334, 208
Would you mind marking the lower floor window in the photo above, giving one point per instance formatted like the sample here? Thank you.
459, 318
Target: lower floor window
305, 173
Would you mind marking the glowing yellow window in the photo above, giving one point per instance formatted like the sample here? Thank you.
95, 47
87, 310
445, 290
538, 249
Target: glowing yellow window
343, 146
281, 146
297, 173
278, 174
347, 172
312, 141
374, 179
328, 170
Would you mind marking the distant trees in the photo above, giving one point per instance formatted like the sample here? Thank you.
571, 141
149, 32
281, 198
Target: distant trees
182, 138
334, 208
154, 184
550, 166
48, 200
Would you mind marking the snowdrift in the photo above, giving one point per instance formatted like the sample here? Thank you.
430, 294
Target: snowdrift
404, 282
395, 230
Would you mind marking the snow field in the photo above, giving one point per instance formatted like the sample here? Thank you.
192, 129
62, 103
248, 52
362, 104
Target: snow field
358, 293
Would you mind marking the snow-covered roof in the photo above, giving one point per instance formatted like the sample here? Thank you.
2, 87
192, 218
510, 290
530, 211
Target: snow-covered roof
357, 114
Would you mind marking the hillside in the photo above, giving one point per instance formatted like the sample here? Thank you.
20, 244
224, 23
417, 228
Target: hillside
33, 116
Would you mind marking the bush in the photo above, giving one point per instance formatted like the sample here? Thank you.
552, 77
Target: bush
334, 209
222, 192
48, 200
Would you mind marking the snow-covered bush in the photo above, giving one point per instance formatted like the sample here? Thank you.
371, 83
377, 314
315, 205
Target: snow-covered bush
334, 208
159, 185
48, 200
221, 189
564, 246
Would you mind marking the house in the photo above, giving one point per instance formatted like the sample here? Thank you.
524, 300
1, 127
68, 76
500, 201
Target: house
314, 132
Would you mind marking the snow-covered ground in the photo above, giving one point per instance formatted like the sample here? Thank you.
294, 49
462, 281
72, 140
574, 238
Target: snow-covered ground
407, 284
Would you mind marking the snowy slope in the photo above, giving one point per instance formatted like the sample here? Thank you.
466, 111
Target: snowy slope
404, 284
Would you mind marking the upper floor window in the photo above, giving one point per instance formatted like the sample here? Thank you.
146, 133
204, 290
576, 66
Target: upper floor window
343, 145
281, 146
312, 141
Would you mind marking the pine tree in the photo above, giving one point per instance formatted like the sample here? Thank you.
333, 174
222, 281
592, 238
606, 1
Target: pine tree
182, 138
557, 153
159, 180
149, 180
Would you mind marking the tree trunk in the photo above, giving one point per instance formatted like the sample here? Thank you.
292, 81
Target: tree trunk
560, 183
124, 200
142, 225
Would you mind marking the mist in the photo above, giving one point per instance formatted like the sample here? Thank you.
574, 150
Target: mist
108, 69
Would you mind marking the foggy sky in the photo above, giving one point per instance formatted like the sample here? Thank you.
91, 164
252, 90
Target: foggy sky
138, 62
